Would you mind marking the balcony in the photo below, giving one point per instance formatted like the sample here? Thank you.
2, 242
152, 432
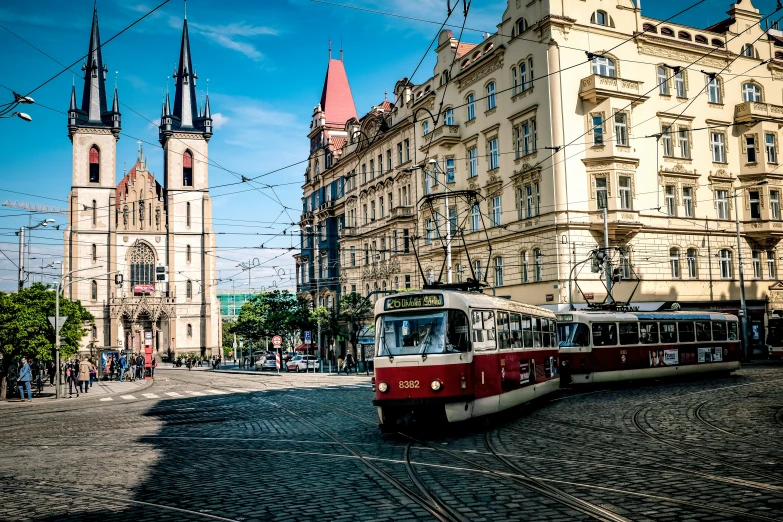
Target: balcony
325, 209
445, 135
764, 232
306, 216
596, 88
621, 224
401, 213
749, 111
346, 232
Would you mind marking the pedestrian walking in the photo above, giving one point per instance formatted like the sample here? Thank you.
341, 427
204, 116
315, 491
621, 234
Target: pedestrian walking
93, 373
84, 375
153, 365
24, 381
70, 376
139, 367
52, 373
121, 368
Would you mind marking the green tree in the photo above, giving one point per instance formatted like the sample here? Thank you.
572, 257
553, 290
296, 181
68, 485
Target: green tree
25, 329
228, 338
355, 310
273, 313
329, 320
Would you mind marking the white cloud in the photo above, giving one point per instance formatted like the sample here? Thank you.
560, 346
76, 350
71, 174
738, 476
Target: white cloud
219, 119
232, 36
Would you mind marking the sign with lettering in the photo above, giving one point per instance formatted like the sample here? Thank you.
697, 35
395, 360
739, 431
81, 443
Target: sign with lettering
143, 289
413, 301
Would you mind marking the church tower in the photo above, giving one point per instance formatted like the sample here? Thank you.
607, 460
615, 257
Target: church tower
184, 134
94, 131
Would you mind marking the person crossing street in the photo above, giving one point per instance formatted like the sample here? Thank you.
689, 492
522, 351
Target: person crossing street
24, 381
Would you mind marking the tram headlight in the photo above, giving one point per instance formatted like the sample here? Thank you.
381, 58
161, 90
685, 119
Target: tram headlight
383, 387
436, 385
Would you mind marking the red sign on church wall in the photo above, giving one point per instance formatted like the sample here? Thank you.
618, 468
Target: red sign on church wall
143, 289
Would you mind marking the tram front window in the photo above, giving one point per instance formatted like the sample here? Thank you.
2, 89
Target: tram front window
423, 333
573, 334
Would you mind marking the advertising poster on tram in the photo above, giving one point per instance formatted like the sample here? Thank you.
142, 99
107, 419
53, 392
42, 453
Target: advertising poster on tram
524, 372
664, 358
706, 355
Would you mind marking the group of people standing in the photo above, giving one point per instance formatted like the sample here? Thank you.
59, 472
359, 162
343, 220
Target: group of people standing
118, 365
80, 374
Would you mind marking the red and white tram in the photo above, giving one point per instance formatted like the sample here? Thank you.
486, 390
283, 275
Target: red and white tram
456, 355
600, 346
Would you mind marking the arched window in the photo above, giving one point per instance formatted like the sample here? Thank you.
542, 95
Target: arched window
94, 213
187, 253
458, 270
317, 168
368, 289
470, 104
701, 39
684, 35
663, 80
491, 96
448, 117
477, 270
749, 51
445, 77
94, 333
489, 47
524, 268
713, 90
498, 271
603, 66
692, 266
778, 55
142, 265
94, 290
649, 28
674, 262
666, 31
94, 252
190, 330
751, 92
724, 259
383, 285
396, 283
187, 169
602, 18
95, 165
188, 289
717, 42
537, 259
187, 214
520, 26
430, 276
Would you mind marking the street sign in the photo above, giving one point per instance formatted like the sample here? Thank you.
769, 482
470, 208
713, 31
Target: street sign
308, 337
60, 322
277, 341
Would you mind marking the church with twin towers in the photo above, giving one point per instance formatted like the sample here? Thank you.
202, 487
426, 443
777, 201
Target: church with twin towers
142, 253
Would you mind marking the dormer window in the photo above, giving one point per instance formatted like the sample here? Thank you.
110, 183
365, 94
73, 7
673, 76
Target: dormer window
717, 43
649, 28
684, 35
749, 51
520, 26
666, 31
700, 39
488, 47
602, 18
187, 169
95, 165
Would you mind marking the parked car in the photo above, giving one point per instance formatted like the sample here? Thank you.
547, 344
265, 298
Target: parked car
302, 363
268, 363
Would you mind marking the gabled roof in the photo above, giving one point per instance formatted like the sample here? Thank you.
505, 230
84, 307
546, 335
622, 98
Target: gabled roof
464, 48
336, 98
130, 178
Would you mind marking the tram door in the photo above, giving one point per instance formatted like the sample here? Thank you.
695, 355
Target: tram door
485, 366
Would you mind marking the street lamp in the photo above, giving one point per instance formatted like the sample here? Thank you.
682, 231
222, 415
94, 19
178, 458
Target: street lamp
5, 109
743, 303
20, 265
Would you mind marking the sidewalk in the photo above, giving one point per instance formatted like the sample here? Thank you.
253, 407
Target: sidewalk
99, 389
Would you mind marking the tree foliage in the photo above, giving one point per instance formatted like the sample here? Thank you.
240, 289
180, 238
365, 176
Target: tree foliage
268, 314
354, 310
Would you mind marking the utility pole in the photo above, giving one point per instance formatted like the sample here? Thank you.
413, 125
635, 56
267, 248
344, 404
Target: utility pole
607, 261
21, 258
743, 304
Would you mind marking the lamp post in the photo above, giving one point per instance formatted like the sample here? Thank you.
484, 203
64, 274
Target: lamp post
43, 223
6, 108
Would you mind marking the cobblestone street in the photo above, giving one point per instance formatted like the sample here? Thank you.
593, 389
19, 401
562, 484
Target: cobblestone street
220, 446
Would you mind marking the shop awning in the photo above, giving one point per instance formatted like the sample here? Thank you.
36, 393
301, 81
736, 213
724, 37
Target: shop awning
306, 348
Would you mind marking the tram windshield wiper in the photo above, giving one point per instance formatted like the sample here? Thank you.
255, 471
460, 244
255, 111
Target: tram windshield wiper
425, 344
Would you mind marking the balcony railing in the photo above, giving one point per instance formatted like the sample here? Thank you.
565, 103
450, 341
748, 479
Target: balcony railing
596, 88
621, 223
765, 232
446, 134
401, 212
749, 111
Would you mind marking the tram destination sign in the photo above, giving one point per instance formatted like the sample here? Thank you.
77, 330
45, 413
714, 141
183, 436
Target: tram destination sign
413, 301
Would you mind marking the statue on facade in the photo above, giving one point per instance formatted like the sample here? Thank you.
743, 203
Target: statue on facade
125, 215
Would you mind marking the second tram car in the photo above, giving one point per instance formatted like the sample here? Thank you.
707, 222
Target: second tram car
455, 355
600, 346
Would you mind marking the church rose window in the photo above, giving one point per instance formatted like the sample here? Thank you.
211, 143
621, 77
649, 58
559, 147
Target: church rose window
142, 265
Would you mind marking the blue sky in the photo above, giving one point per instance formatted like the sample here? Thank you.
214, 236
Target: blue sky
265, 62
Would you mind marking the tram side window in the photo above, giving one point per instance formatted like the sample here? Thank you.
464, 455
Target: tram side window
703, 331
489, 325
629, 333
604, 334
718, 331
536, 332
553, 331
457, 337
516, 330
504, 339
733, 331
546, 334
483, 330
527, 331
668, 332
478, 328
648, 333
685, 329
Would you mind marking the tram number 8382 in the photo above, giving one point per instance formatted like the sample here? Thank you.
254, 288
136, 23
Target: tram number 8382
409, 384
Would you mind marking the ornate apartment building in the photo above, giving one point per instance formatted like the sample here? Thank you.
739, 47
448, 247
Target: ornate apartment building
158, 238
539, 129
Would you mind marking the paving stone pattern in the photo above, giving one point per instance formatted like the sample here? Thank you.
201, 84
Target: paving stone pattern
217, 446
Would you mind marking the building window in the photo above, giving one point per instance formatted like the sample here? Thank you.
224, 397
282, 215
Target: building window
494, 154
665, 31
713, 90
537, 261
663, 80
671, 204
718, 145
430, 276
187, 169
95, 165
406, 242
498, 271
755, 257
724, 259
626, 202
187, 253
537, 207
381, 207
687, 200
750, 148
751, 92
450, 168
601, 18
477, 270
388, 159
771, 264
496, 211
679, 84
691, 258
458, 271
353, 256
95, 214
491, 96
399, 154
142, 265
94, 252
674, 262
769, 143
529, 200
428, 228
366, 214
474, 218
190, 330
448, 117
603, 66
598, 130
621, 129
755, 204
514, 81
425, 128
187, 214
188, 289
94, 290
722, 204
749, 51
471, 107
600, 193
521, 203
774, 204
524, 267
666, 141
407, 149
453, 219
407, 281
427, 182
685, 145
472, 162
520, 27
